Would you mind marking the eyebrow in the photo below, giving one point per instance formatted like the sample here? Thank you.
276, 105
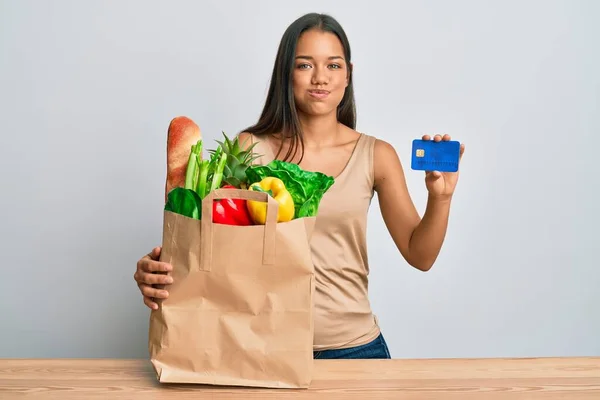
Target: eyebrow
312, 58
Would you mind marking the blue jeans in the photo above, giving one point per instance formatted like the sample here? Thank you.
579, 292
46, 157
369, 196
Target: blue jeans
374, 349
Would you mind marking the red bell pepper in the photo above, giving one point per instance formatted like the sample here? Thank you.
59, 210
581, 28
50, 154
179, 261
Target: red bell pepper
231, 211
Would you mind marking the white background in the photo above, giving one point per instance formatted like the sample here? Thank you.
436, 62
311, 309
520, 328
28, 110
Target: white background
87, 90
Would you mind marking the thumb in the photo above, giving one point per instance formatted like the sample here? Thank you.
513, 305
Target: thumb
433, 175
155, 254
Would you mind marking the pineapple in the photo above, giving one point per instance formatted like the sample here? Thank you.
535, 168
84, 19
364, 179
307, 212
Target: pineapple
237, 161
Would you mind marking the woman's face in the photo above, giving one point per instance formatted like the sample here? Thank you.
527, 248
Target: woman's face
320, 74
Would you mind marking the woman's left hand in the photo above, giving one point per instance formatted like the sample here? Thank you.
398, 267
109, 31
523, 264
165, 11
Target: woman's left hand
441, 185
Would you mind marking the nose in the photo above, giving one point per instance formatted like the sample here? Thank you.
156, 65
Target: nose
320, 76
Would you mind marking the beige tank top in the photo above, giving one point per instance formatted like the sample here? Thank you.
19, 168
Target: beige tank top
343, 315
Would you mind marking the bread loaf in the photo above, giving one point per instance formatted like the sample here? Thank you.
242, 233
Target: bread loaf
181, 135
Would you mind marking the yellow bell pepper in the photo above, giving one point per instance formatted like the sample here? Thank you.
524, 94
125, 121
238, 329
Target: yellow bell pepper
258, 209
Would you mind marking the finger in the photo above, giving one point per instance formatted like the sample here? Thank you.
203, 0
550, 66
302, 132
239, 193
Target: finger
433, 174
150, 304
155, 279
155, 253
446, 137
155, 266
149, 291
437, 138
426, 137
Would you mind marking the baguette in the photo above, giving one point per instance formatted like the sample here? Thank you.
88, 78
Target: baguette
181, 135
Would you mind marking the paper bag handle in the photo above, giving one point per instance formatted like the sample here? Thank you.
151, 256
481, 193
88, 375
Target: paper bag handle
206, 242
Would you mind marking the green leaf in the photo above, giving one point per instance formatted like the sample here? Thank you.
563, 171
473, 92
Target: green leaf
185, 202
306, 187
233, 163
240, 171
232, 180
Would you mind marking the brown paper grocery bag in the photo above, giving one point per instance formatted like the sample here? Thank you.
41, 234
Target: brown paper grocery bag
239, 310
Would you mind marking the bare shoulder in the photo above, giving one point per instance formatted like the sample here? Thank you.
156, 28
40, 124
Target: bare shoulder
245, 139
386, 163
384, 149
258, 145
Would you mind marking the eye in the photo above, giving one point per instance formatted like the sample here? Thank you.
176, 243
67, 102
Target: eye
336, 66
303, 66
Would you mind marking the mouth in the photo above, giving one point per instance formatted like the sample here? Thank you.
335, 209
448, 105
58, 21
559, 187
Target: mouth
318, 93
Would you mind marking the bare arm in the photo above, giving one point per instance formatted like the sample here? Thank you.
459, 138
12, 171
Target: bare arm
419, 240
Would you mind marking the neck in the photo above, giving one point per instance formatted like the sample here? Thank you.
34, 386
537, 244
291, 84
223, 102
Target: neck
320, 130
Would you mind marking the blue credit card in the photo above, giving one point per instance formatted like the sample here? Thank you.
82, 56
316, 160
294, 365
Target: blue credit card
442, 156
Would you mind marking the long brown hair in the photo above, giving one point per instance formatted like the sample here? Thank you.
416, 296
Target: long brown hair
279, 114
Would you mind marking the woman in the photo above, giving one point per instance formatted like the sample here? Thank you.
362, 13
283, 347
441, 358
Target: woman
309, 119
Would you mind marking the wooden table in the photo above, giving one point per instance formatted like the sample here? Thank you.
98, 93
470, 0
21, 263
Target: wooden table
464, 379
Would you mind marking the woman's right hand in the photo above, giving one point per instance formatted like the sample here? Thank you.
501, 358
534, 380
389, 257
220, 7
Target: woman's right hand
152, 272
